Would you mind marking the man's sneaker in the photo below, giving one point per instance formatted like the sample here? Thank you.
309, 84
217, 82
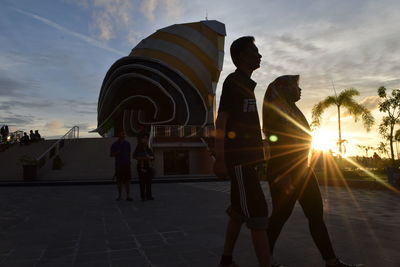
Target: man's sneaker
342, 264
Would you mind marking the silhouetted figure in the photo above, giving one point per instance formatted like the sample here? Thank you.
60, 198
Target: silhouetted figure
239, 151
144, 155
57, 163
4, 133
25, 139
38, 138
32, 136
289, 176
141, 131
121, 150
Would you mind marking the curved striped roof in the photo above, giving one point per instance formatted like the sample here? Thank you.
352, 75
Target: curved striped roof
169, 78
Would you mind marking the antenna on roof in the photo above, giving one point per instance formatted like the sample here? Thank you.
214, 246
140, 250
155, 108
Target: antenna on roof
206, 14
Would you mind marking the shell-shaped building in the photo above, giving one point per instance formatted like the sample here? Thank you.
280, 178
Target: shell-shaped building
169, 78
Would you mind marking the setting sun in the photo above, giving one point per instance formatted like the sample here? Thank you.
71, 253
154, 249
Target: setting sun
323, 140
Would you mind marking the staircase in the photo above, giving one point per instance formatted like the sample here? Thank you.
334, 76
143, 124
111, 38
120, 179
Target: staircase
86, 159
10, 166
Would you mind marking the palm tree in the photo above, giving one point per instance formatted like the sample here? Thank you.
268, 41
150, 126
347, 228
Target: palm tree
382, 148
343, 142
344, 99
365, 148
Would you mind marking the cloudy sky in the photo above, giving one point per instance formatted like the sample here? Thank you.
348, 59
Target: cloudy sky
55, 53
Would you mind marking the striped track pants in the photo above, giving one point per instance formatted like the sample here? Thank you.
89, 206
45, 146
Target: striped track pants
248, 202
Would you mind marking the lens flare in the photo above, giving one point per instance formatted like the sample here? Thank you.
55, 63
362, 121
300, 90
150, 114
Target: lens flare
323, 140
273, 138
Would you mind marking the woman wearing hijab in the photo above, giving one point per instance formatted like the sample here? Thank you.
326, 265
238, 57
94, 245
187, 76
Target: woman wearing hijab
289, 176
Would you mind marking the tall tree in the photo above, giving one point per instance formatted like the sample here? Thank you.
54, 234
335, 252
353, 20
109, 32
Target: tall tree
365, 148
381, 148
343, 100
390, 104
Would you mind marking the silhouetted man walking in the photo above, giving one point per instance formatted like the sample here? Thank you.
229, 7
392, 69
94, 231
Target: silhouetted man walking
239, 151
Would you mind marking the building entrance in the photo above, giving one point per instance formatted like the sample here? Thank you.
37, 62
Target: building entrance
176, 162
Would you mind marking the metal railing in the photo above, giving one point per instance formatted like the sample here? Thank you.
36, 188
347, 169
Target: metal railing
181, 131
70, 136
203, 133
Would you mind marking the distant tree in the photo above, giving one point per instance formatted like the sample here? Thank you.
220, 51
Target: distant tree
382, 148
390, 104
343, 142
345, 100
365, 148
397, 139
397, 135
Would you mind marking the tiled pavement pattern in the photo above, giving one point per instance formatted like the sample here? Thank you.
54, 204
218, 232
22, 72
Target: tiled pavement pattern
371, 205
183, 226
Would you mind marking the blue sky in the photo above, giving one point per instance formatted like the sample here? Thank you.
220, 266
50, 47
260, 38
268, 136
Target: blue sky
55, 53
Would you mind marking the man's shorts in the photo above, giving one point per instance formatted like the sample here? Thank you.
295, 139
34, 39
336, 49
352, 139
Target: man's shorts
123, 173
248, 204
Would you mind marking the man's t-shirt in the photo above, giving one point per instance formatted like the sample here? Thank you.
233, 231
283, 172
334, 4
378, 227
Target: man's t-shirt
123, 158
243, 141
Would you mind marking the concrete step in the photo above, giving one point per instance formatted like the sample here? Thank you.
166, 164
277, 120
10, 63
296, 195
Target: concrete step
10, 166
77, 175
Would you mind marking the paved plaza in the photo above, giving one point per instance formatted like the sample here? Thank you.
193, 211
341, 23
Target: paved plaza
184, 226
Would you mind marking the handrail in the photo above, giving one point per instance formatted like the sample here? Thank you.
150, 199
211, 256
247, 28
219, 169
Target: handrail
186, 131
72, 133
181, 131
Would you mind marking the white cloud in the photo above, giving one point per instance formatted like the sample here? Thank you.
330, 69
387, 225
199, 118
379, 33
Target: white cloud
134, 37
370, 102
54, 125
171, 8
108, 15
104, 26
148, 7
80, 36
110, 18
174, 8
53, 129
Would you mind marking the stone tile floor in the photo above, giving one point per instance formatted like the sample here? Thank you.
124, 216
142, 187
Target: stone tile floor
183, 226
